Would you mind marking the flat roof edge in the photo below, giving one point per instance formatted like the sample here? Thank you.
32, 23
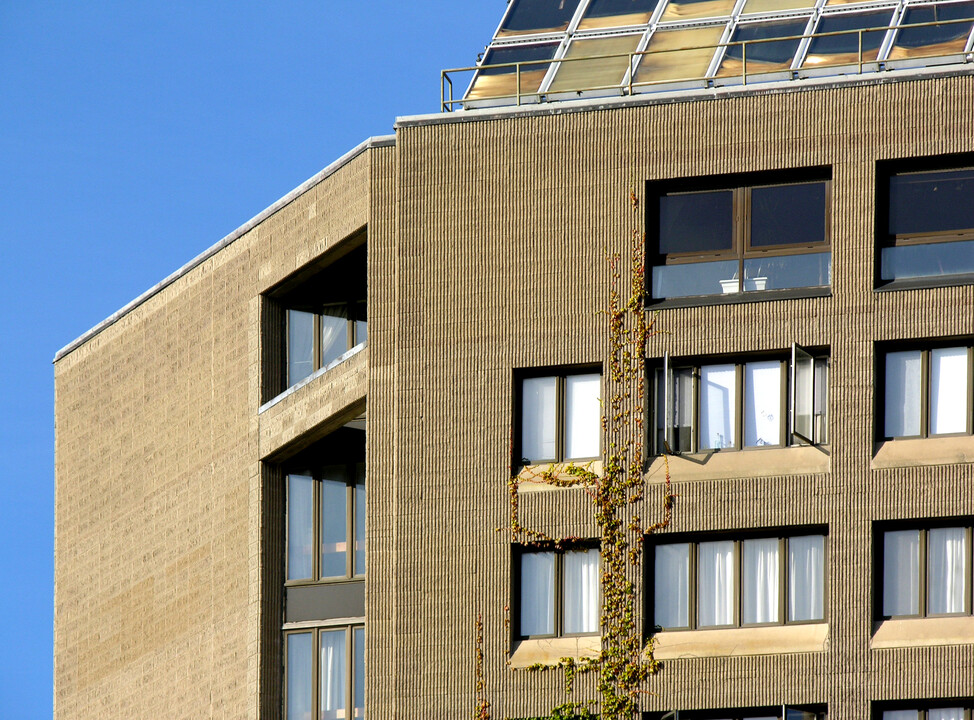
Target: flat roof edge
369, 143
565, 107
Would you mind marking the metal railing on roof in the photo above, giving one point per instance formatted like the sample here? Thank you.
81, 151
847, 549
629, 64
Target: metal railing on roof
628, 86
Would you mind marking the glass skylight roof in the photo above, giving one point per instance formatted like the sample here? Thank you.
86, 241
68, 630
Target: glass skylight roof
584, 48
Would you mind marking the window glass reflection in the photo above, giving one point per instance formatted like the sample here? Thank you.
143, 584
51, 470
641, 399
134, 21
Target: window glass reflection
843, 49
686, 280
580, 74
617, 13
492, 82
783, 272
686, 9
696, 222
531, 16
678, 54
931, 202
802, 224
933, 40
756, 6
927, 260
762, 53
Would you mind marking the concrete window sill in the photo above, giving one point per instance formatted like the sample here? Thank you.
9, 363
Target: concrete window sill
775, 640
759, 462
924, 451
915, 632
527, 485
549, 651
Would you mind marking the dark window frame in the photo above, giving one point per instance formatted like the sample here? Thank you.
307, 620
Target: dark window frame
558, 600
925, 347
694, 539
923, 707
560, 373
353, 310
886, 170
817, 710
350, 646
923, 526
350, 471
741, 185
694, 363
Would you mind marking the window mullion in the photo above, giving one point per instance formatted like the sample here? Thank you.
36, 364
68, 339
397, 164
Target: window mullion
925, 393
316, 519
739, 415
558, 595
560, 385
695, 409
692, 588
737, 575
783, 430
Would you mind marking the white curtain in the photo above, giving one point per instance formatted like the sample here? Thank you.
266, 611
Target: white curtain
901, 715
538, 423
806, 571
581, 591
761, 572
300, 526
583, 416
300, 345
334, 333
902, 400
715, 583
331, 674
298, 691
948, 390
671, 585
762, 403
901, 572
718, 405
537, 593
945, 714
946, 579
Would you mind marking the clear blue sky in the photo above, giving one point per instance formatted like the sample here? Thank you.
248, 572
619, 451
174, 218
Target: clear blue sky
134, 135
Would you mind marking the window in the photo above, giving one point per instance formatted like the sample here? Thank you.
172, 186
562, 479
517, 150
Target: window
557, 592
927, 392
776, 712
753, 580
733, 405
326, 523
926, 571
926, 225
723, 238
931, 710
560, 418
324, 673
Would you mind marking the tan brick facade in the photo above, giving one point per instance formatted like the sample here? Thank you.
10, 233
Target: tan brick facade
486, 244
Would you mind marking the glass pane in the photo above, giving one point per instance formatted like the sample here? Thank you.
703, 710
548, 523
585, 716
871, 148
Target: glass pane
678, 54
756, 6
931, 202
331, 675
762, 56
358, 668
901, 572
927, 260
806, 573
946, 577
901, 715
683, 410
334, 333
661, 418
761, 571
671, 586
782, 272
803, 392
580, 74
298, 678
334, 522
617, 13
531, 16
762, 403
718, 406
949, 391
581, 591
300, 526
902, 398
300, 345
686, 9
502, 81
788, 215
933, 40
715, 583
537, 593
696, 222
583, 416
361, 323
360, 519
707, 278
821, 403
843, 49
538, 419
956, 713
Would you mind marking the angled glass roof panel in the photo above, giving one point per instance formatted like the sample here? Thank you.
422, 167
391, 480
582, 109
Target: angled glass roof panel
689, 9
844, 49
762, 57
535, 16
933, 40
767, 6
580, 74
493, 82
678, 54
617, 13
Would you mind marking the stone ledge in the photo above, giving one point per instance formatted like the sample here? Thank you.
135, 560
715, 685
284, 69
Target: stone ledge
773, 640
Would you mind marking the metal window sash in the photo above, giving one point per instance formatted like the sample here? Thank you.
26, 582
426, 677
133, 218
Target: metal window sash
668, 397
798, 353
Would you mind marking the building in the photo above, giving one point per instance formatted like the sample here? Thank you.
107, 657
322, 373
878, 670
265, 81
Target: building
431, 307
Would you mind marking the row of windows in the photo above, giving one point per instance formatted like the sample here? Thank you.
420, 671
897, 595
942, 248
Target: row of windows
955, 709
748, 580
733, 405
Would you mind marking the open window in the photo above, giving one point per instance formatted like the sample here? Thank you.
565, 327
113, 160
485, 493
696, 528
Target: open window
809, 396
